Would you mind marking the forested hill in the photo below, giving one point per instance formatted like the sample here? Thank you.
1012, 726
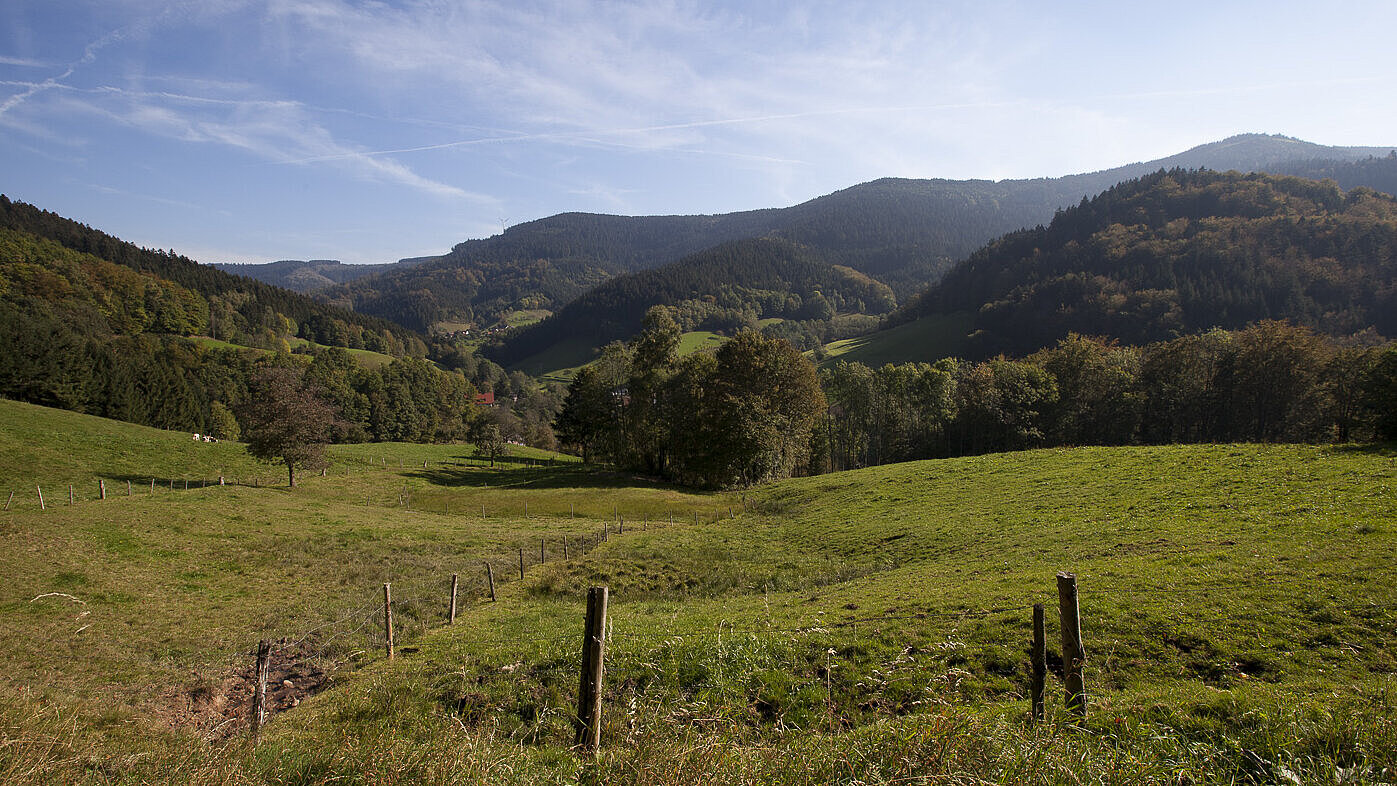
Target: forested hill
231, 307
96, 325
903, 232
725, 288
1179, 252
308, 277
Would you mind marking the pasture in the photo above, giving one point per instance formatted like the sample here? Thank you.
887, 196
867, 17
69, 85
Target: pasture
1239, 609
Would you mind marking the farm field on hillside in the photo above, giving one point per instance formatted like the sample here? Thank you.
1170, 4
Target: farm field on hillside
1239, 607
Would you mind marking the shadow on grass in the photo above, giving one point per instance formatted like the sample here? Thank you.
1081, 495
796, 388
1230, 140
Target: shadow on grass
557, 476
1384, 449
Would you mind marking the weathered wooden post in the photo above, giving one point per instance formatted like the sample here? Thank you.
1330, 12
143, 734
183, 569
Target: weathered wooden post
40, 489
259, 690
451, 617
1040, 663
565, 548
490, 577
1073, 654
152, 485
388, 618
620, 525
521, 564
128, 488
8, 501
101, 489
588, 723
540, 551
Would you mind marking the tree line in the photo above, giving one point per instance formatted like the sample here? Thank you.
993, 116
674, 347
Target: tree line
1270, 382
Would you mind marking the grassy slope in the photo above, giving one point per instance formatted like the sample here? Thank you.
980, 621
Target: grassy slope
924, 340
365, 358
1223, 589
546, 364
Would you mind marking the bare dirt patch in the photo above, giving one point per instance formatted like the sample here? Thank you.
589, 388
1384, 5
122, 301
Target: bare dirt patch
219, 707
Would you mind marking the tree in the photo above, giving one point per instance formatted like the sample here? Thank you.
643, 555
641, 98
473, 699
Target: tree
1380, 394
222, 423
285, 420
760, 406
489, 442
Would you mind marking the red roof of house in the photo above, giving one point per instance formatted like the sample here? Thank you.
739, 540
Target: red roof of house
486, 399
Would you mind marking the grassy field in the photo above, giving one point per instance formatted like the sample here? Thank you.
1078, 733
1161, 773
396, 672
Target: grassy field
924, 340
545, 365
1239, 607
366, 358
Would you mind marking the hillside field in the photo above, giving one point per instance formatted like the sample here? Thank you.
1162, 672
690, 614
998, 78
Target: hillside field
1239, 608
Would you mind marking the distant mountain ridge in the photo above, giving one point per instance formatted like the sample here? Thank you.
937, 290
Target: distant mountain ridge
311, 276
905, 233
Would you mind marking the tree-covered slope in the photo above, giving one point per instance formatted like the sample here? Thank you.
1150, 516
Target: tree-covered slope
233, 306
724, 288
903, 232
1180, 252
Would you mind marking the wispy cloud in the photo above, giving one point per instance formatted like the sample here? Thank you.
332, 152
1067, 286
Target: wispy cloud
271, 130
23, 62
88, 56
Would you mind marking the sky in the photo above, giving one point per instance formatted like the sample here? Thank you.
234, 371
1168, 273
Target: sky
259, 130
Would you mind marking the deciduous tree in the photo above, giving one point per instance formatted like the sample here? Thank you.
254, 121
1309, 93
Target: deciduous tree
285, 420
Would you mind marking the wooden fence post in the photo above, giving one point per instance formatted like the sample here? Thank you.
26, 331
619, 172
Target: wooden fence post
70, 493
1073, 654
1040, 662
593, 667
490, 577
388, 617
8, 501
620, 525
451, 617
128, 488
521, 564
101, 489
40, 489
565, 548
259, 690
152, 485
541, 552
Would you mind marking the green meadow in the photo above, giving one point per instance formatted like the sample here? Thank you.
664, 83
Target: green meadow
1239, 611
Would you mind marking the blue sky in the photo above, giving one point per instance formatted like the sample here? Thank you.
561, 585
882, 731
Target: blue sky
256, 130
